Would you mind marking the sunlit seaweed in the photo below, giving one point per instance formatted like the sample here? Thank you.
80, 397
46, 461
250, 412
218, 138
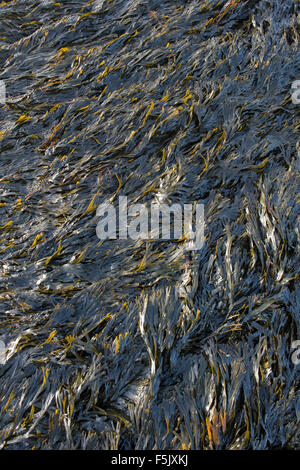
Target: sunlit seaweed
136, 345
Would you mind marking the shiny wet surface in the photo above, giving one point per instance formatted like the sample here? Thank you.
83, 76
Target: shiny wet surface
132, 344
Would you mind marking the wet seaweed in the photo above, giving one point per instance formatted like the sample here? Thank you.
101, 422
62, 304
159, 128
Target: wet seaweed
127, 344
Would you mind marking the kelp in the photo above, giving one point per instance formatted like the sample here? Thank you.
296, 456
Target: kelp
139, 344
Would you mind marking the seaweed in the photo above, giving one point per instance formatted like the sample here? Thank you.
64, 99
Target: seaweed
139, 344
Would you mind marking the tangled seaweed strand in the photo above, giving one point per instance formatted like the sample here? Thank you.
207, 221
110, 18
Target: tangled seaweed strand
126, 344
